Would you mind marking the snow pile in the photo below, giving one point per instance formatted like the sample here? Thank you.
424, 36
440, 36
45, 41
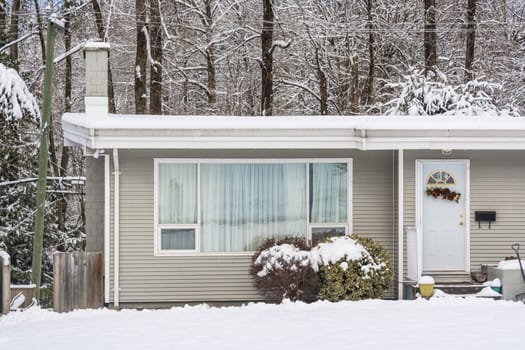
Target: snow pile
438, 293
343, 248
426, 280
445, 323
5, 257
510, 264
496, 283
419, 95
488, 292
15, 99
272, 259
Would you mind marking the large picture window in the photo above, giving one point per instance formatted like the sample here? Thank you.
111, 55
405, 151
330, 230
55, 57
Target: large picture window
233, 206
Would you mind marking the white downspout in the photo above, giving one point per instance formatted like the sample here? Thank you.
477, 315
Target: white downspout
107, 213
400, 223
116, 225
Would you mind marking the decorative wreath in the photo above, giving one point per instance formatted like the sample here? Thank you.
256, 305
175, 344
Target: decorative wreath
444, 193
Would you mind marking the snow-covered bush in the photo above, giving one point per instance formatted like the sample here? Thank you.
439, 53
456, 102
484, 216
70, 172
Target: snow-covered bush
352, 268
419, 95
283, 269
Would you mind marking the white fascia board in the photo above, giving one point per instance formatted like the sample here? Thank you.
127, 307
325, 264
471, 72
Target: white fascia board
431, 143
229, 143
269, 142
77, 139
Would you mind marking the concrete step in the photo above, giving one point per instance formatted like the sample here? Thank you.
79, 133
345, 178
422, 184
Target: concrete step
448, 277
459, 288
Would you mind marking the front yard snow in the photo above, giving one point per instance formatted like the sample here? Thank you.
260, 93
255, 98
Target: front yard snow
447, 323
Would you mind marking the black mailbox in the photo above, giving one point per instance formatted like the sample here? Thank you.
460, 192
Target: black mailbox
485, 216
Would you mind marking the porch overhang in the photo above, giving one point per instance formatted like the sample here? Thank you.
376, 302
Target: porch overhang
294, 132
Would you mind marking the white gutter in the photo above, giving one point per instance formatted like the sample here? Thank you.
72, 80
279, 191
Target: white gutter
400, 223
107, 210
116, 227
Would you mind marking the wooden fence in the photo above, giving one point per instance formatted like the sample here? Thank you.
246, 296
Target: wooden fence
5, 284
78, 281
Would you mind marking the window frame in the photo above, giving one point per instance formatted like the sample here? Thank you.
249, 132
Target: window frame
311, 228
157, 251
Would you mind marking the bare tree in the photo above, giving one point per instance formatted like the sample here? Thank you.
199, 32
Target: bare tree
140, 58
369, 91
471, 38
155, 104
101, 34
40, 27
3, 17
430, 37
267, 59
13, 29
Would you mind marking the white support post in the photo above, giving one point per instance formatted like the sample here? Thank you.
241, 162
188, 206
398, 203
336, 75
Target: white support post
400, 223
116, 228
107, 213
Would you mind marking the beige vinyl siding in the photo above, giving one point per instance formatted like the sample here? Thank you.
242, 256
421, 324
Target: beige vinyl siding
94, 207
145, 278
95, 211
374, 190
496, 183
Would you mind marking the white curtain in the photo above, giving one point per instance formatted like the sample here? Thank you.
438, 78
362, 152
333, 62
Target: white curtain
244, 204
328, 192
177, 193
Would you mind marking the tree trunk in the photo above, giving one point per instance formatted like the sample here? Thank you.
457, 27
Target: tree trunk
100, 31
355, 84
430, 39
64, 160
267, 59
13, 30
3, 19
155, 104
471, 38
40, 31
210, 57
140, 58
369, 93
323, 85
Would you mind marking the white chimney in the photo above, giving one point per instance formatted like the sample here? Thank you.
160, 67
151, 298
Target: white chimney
96, 99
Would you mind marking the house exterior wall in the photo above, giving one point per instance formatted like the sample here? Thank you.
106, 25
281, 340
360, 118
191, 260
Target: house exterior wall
94, 189
496, 183
148, 279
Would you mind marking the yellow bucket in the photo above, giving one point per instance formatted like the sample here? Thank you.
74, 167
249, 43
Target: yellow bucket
426, 290
426, 286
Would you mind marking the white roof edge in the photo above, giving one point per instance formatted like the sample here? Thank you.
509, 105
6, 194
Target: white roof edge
372, 122
96, 45
331, 132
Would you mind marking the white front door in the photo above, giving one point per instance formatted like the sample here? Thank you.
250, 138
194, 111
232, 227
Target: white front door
443, 221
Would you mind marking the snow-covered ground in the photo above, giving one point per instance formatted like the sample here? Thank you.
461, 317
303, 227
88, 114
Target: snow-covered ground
447, 323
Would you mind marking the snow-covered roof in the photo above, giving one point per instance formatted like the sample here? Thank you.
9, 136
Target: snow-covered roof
96, 45
347, 132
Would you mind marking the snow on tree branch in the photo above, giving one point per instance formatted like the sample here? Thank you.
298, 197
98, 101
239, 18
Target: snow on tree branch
419, 95
280, 44
16, 101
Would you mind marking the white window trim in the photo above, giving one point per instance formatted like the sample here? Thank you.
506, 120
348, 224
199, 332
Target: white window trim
313, 226
161, 251
198, 161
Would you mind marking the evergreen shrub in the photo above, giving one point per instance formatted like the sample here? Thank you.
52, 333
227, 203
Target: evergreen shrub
364, 273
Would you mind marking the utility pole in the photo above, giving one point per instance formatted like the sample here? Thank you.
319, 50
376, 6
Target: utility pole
43, 158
